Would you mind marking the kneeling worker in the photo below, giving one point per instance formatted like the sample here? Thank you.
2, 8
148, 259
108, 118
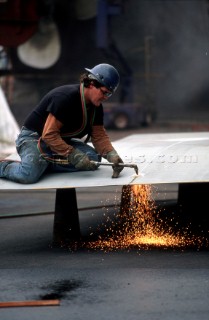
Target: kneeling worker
50, 137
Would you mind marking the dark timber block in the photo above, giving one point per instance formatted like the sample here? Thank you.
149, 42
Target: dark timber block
193, 203
66, 218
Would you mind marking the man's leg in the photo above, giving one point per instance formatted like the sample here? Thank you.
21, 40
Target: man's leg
31, 166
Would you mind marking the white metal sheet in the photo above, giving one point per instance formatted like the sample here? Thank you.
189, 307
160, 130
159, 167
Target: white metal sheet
161, 158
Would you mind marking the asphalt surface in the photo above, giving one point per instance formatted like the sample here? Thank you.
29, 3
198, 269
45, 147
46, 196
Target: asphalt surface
92, 283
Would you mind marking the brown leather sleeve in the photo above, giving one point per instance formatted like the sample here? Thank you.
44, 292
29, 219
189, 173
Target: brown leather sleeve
51, 136
101, 140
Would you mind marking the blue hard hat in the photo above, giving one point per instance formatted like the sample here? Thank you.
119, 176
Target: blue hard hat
106, 75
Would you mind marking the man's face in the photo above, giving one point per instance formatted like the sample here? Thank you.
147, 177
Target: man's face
99, 95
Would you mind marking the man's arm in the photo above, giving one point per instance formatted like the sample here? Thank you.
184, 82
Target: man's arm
103, 146
51, 136
101, 140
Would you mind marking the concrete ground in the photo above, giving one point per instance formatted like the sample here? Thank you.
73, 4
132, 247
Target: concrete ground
136, 283
165, 283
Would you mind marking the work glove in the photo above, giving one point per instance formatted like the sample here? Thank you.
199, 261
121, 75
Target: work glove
113, 157
81, 161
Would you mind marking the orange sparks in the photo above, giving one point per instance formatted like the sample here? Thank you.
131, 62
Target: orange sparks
137, 224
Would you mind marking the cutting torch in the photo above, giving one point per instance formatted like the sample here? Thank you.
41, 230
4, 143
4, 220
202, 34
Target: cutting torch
128, 165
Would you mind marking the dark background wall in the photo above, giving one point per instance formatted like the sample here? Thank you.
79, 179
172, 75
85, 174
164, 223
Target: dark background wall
179, 62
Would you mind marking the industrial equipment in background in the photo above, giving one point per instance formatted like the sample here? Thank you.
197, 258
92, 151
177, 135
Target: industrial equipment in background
127, 115
34, 39
127, 111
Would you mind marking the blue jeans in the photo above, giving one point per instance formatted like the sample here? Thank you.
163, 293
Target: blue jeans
32, 165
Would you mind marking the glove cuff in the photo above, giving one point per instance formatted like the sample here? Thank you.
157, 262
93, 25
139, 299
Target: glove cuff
111, 154
74, 156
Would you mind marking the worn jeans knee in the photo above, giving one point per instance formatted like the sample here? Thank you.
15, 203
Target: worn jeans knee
31, 166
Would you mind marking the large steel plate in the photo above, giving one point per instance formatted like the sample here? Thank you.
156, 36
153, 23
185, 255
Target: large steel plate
161, 158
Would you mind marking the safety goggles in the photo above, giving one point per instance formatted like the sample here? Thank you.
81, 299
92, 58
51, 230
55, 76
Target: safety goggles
106, 93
